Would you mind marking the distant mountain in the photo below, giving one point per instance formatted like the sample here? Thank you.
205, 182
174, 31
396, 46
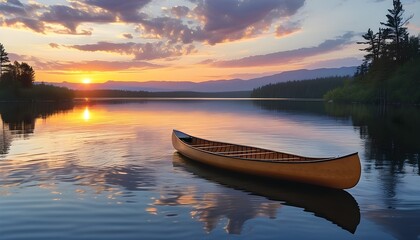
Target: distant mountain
215, 85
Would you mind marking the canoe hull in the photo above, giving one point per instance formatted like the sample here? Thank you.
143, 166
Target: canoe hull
339, 173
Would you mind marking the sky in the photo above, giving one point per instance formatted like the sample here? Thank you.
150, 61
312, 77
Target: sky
187, 40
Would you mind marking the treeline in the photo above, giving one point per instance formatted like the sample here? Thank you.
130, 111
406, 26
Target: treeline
17, 83
390, 72
313, 88
144, 94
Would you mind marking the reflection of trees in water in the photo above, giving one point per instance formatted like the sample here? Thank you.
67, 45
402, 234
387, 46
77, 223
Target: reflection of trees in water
390, 134
112, 101
14, 113
391, 141
303, 107
19, 119
5, 140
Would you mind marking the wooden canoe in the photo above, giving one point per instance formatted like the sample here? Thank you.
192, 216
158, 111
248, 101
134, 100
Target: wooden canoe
333, 172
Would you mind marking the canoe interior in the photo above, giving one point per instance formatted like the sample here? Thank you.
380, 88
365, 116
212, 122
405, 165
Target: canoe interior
239, 151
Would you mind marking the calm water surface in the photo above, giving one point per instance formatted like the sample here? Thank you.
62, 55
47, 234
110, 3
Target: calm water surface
107, 170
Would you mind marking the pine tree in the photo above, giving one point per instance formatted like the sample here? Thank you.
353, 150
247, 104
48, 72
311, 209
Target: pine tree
4, 60
396, 29
371, 49
19, 73
27, 75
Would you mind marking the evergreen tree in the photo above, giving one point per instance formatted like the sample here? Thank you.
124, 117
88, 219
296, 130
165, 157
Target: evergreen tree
371, 40
19, 73
4, 60
26, 75
396, 30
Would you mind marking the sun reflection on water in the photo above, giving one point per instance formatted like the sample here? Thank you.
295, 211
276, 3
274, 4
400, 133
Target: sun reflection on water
86, 114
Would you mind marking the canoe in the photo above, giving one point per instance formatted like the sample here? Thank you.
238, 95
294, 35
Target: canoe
333, 172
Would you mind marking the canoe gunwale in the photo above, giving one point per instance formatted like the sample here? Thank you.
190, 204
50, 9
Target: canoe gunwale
312, 160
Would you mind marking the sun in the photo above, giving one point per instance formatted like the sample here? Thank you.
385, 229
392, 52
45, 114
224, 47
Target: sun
86, 81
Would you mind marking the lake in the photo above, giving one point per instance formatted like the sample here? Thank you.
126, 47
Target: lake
107, 170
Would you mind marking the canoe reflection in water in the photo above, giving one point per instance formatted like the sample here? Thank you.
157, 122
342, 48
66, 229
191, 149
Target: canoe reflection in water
337, 206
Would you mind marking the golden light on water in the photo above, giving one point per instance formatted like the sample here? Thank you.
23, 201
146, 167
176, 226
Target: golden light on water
86, 114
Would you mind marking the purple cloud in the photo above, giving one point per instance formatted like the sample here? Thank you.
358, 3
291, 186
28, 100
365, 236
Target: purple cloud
128, 36
54, 45
180, 11
37, 17
30, 23
14, 7
220, 20
71, 18
289, 56
127, 10
140, 51
170, 28
211, 21
15, 12
287, 28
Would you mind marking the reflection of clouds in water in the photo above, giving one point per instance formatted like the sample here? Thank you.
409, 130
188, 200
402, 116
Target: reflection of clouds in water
132, 178
47, 174
210, 208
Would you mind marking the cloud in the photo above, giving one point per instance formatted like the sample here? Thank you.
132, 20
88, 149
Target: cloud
170, 28
95, 65
239, 19
209, 21
289, 56
18, 14
180, 11
43, 18
126, 10
217, 21
287, 28
14, 7
70, 17
32, 24
21, 58
140, 51
54, 45
128, 36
